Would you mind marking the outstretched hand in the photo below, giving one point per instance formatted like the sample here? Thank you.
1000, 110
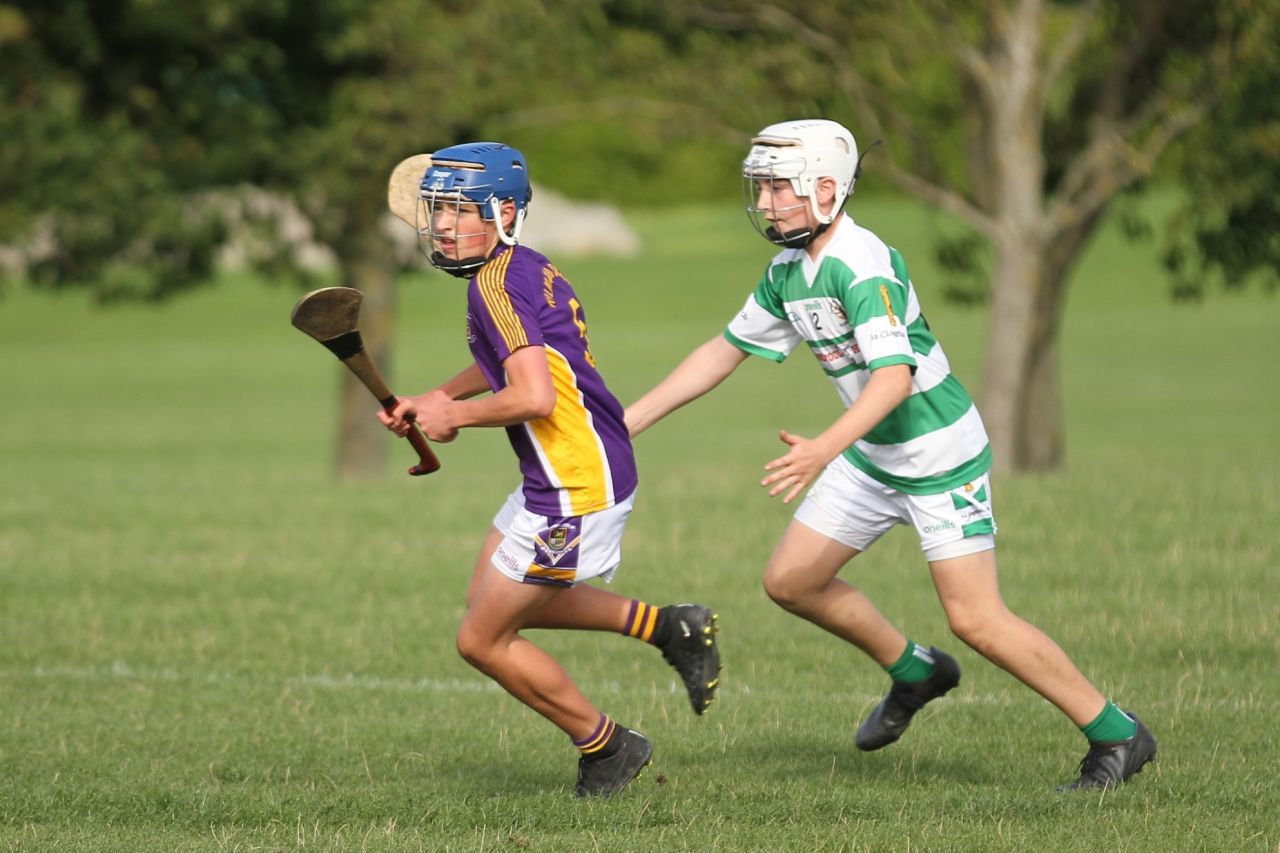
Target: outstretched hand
795, 470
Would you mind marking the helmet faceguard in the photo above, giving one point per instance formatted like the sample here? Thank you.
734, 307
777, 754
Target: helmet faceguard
800, 152
479, 177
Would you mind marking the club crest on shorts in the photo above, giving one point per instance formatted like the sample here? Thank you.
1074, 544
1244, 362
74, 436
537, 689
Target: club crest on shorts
556, 544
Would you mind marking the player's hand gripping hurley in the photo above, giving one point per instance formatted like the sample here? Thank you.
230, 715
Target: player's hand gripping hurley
330, 315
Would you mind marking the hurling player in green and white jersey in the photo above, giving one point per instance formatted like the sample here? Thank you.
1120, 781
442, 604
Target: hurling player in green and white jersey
910, 448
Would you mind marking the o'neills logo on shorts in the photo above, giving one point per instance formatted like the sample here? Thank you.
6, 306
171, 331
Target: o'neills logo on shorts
507, 560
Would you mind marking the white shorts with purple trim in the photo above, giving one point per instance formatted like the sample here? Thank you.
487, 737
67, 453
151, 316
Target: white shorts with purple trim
560, 551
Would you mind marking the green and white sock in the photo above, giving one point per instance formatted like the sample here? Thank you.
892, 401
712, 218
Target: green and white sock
916, 664
1111, 726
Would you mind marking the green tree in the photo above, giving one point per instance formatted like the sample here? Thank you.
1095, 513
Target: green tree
1229, 228
132, 128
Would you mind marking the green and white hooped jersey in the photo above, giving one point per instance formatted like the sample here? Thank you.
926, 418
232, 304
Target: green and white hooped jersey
857, 311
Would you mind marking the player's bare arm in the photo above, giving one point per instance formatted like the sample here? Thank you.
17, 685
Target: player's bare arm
469, 382
703, 369
529, 395
795, 470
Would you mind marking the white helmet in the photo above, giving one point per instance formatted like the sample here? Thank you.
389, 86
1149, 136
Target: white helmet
802, 152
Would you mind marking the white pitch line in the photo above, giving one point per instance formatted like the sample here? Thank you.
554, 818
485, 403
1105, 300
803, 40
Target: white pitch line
122, 671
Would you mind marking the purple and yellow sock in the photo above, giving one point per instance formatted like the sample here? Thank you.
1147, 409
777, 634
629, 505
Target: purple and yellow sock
599, 738
641, 620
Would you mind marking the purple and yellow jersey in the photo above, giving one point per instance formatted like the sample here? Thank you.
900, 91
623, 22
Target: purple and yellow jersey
579, 459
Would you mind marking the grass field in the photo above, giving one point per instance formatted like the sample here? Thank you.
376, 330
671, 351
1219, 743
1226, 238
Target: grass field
207, 644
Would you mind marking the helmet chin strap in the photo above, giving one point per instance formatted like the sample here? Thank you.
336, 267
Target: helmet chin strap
797, 239
458, 267
467, 267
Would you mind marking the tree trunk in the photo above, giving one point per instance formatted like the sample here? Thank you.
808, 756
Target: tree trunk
1020, 376
1042, 441
368, 265
1022, 387
1007, 377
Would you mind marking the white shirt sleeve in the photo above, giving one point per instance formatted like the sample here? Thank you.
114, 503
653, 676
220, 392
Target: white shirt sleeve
761, 332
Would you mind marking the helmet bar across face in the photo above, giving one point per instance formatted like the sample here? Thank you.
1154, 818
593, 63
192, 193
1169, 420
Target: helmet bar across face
765, 219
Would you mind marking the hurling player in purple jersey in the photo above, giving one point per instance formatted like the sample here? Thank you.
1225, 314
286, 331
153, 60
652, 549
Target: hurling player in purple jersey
534, 375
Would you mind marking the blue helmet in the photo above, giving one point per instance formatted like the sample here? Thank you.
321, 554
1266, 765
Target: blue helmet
481, 173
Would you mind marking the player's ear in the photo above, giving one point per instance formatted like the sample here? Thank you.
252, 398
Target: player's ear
508, 215
825, 189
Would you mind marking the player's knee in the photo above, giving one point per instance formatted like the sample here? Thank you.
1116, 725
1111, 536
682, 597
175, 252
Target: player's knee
977, 629
786, 588
473, 649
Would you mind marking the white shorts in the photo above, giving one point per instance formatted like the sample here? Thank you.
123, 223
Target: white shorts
849, 506
559, 551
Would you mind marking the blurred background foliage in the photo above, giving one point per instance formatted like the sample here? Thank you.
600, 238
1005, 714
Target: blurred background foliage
127, 126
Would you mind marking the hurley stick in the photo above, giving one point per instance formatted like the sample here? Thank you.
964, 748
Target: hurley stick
331, 316
404, 186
